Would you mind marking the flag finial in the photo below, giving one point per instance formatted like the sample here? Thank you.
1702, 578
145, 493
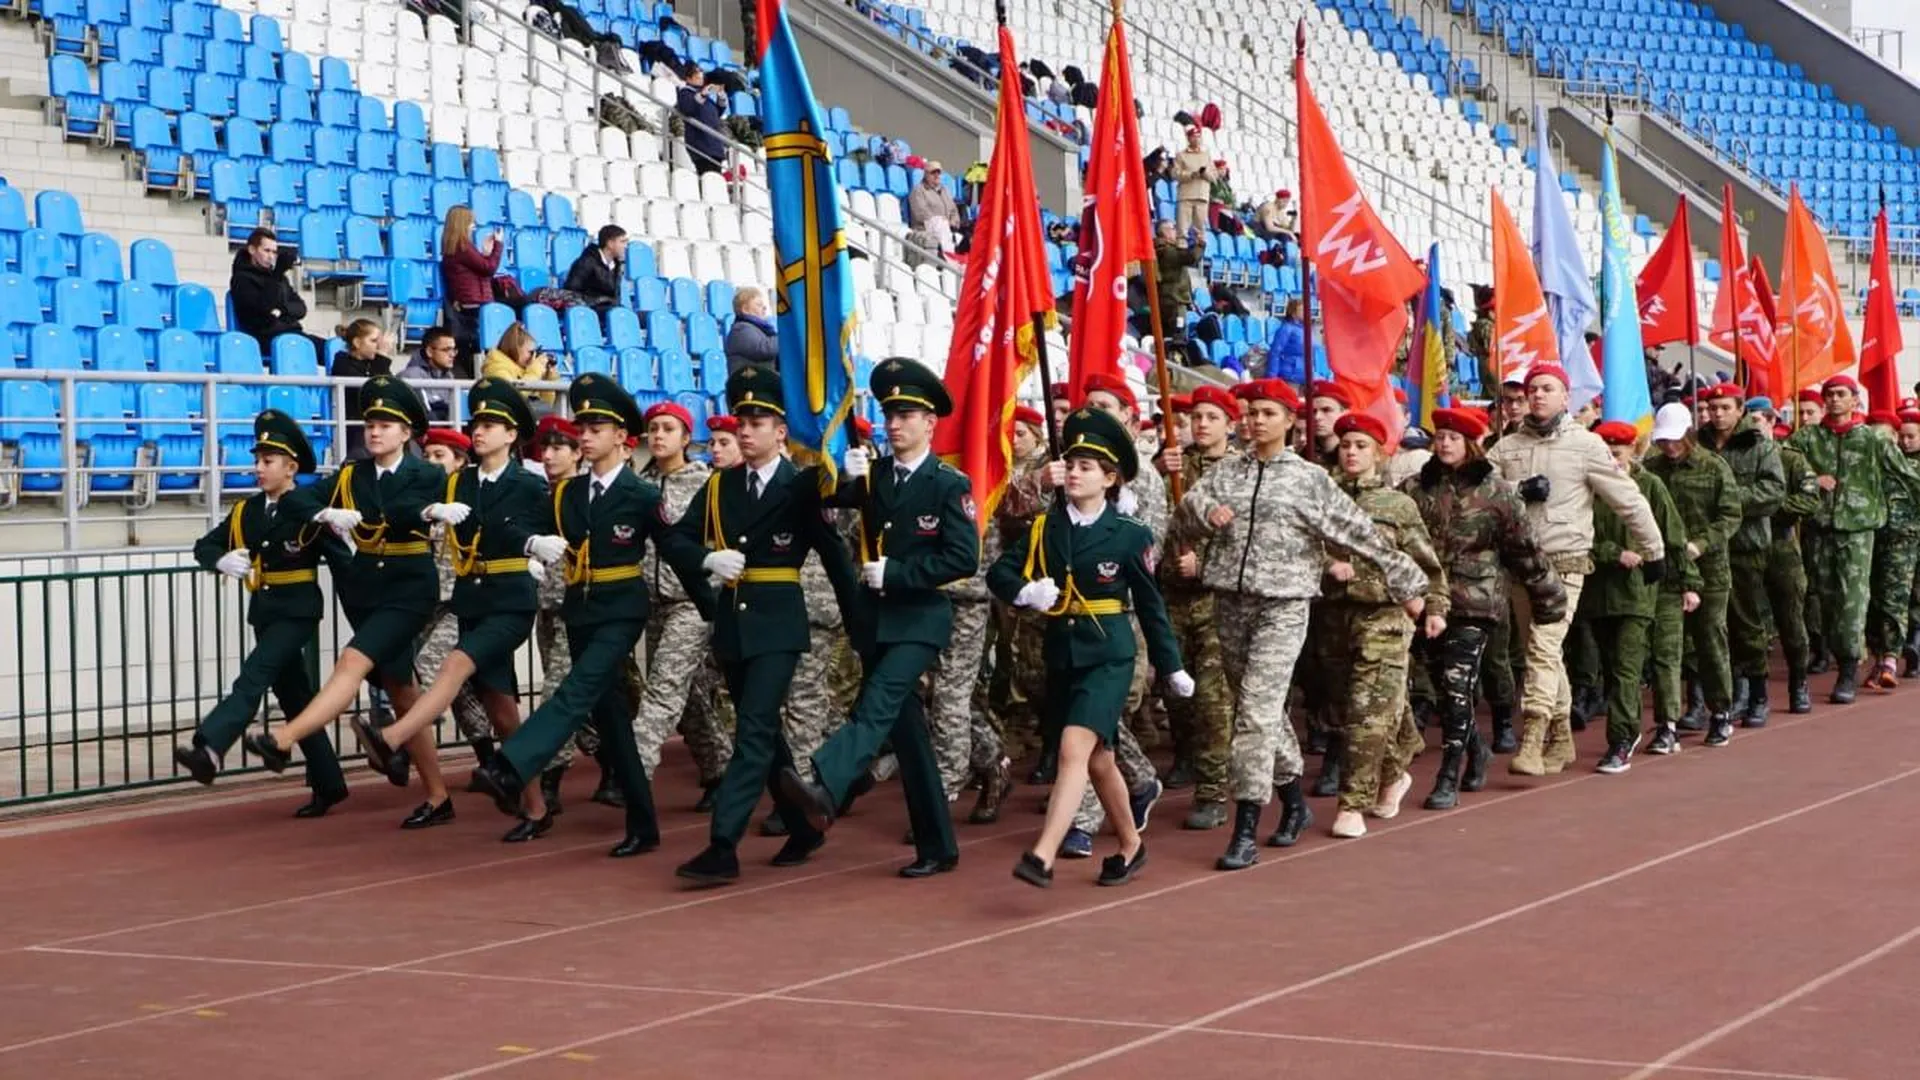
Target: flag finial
1299, 44
1000, 12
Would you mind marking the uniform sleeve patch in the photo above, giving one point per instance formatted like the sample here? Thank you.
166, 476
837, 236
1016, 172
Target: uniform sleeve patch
970, 508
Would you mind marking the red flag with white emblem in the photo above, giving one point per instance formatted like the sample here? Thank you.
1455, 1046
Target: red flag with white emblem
1115, 223
1669, 311
1880, 342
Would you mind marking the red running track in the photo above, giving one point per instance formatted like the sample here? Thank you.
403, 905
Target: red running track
1750, 912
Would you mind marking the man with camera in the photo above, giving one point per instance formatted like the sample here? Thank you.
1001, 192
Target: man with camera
1558, 467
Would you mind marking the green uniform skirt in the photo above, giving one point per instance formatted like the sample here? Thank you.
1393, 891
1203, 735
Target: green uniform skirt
1090, 697
387, 636
490, 642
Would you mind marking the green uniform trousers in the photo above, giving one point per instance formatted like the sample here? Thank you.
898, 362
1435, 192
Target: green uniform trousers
1667, 642
758, 686
889, 708
1505, 654
1749, 622
1895, 551
1813, 613
277, 663
1706, 650
593, 689
1582, 652
1786, 587
1202, 725
1842, 570
1629, 636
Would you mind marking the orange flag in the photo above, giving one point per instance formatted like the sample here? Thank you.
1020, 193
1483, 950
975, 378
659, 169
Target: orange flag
1742, 321
1363, 275
1814, 341
1668, 309
1880, 342
1522, 332
1005, 286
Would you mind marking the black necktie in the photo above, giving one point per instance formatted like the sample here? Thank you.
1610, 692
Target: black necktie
753, 485
901, 474
599, 489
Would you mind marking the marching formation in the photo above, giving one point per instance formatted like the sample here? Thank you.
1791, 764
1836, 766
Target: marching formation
814, 629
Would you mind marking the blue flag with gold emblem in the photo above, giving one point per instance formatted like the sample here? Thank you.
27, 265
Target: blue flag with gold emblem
815, 306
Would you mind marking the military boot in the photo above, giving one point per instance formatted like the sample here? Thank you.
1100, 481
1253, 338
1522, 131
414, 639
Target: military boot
1799, 699
1328, 782
1757, 708
1446, 785
1742, 695
607, 792
1474, 777
995, 785
1242, 847
1818, 660
550, 787
1845, 685
1043, 769
1526, 760
1504, 740
1295, 815
1695, 718
1181, 775
1910, 654
483, 751
1557, 747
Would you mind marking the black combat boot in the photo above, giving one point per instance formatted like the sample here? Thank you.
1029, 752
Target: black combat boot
550, 788
1695, 718
1043, 769
1742, 697
1328, 782
1474, 776
1845, 685
1295, 816
1910, 655
1758, 710
1505, 741
1446, 785
1799, 699
1817, 658
1243, 848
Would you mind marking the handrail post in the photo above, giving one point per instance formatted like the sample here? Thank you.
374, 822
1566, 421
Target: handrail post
70, 454
211, 480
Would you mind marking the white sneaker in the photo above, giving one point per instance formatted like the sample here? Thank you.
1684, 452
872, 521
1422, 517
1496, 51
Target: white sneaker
1389, 804
1349, 825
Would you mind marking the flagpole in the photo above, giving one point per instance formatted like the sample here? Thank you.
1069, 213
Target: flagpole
1306, 261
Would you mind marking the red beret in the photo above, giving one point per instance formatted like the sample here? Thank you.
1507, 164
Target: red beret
1909, 403
1554, 371
1219, 398
1101, 382
446, 436
728, 424
1839, 382
1617, 433
1180, 403
1782, 431
1058, 389
1469, 422
1276, 390
1811, 393
1883, 418
556, 427
1024, 415
1327, 388
669, 408
1719, 391
1910, 416
1364, 423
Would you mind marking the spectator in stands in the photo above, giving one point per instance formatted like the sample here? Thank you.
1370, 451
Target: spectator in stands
466, 272
360, 359
1287, 352
1275, 219
1480, 343
931, 210
1193, 176
518, 359
595, 276
1173, 258
753, 338
703, 109
434, 371
265, 303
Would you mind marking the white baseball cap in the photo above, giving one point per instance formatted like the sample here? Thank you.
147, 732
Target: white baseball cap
1672, 422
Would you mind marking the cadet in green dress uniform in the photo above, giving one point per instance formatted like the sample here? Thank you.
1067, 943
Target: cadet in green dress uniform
916, 535
756, 521
1085, 569
491, 509
594, 531
390, 587
275, 554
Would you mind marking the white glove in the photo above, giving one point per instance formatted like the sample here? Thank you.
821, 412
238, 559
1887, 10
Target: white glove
725, 565
874, 573
1125, 502
854, 464
453, 513
537, 572
236, 564
547, 549
340, 521
1180, 684
1038, 595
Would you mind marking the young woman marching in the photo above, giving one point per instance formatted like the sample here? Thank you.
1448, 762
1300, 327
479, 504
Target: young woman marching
1082, 569
383, 507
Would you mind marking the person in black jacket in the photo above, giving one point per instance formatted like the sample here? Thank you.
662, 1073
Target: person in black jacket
265, 303
704, 109
595, 275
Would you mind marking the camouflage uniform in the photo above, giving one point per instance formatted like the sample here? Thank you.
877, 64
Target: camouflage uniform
1014, 719
1867, 465
1786, 572
1201, 725
817, 699
1705, 493
954, 677
1378, 737
1760, 481
1895, 548
677, 643
439, 639
556, 660
1264, 567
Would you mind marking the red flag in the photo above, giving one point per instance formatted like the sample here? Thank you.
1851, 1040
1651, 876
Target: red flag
1364, 276
1815, 341
1880, 342
765, 12
1115, 225
1669, 311
1005, 286
1743, 309
1522, 332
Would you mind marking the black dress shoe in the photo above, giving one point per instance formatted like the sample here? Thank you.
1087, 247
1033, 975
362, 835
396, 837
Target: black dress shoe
321, 802
773, 825
497, 780
920, 868
1032, 871
713, 866
809, 797
797, 850
274, 758
379, 754
705, 805
427, 815
609, 793
527, 829
633, 845
1116, 870
198, 761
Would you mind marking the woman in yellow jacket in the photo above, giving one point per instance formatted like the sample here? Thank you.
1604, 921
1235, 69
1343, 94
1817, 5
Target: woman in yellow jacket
517, 359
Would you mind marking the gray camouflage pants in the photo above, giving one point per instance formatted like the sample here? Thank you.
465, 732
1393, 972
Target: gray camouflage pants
677, 647
1260, 641
950, 720
812, 712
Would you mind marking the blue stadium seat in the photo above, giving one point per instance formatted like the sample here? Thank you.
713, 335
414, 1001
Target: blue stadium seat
583, 329
166, 421
152, 262
100, 422
494, 320
664, 332
676, 370
683, 295
193, 309
623, 328
19, 311
703, 334
99, 258
544, 324
235, 353
592, 358
77, 306
713, 371
637, 374
34, 428
117, 348
720, 301
649, 293
13, 222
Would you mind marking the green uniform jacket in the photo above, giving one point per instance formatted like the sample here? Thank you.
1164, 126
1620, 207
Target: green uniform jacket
927, 534
1703, 490
1760, 478
1397, 519
1107, 560
286, 542
1614, 590
1903, 510
1866, 464
1480, 530
615, 529
1802, 501
775, 531
1176, 288
374, 578
505, 512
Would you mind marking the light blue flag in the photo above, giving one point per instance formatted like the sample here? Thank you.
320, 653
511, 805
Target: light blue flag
1626, 370
815, 291
1563, 275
